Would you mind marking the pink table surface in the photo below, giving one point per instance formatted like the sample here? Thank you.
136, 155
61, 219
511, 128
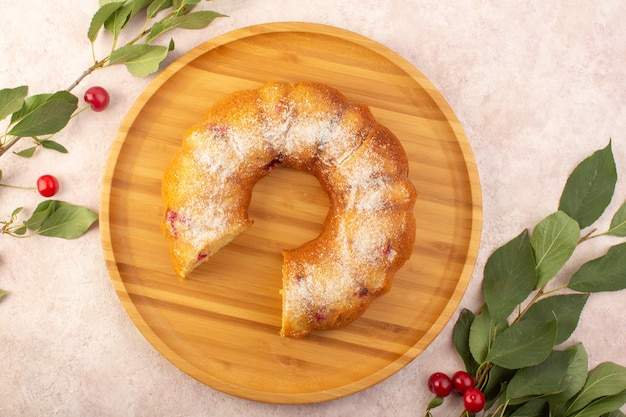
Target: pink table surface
537, 86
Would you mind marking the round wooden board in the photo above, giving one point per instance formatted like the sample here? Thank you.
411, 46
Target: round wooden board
221, 324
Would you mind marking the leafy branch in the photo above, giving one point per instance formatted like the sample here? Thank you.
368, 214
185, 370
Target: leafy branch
41, 116
51, 218
47, 114
510, 345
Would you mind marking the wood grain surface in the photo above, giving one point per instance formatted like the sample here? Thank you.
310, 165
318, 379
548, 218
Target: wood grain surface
221, 325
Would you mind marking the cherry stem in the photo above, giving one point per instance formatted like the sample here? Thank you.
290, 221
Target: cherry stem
482, 375
17, 187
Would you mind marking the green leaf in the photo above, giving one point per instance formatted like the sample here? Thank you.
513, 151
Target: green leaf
127, 53
20, 231
483, 331
618, 223
55, 146
118, 20
141, 60
65, 95
41, 213
158, 29
602, 405
2, 293
509, 276
534, 408
138, 5
156, 6
97, 21
30, 104
526, 343
68, 221
181, 6
542, 379
192, 21
553, 241
197, 20
496, 382
46, 117
184, 5
11, 100
566, 308
33, 102
590, 187
573, 381
614, 413
435, 402
606, 273
26, 153
460, 336
606, 379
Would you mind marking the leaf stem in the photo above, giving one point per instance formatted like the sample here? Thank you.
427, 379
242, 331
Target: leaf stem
9, 229
540, 293
552, 291
10, 233
588, 236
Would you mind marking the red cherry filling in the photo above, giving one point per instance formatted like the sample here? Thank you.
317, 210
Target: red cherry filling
202, 255
219, 131
282, 107
171, 216
320, 315
389, 252
271, 164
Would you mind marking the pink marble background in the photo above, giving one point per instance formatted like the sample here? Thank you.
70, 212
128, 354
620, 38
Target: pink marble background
537, 86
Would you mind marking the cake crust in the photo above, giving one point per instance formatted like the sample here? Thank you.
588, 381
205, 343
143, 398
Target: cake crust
369, 231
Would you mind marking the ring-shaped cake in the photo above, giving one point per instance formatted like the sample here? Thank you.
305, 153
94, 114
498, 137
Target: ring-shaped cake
369, 231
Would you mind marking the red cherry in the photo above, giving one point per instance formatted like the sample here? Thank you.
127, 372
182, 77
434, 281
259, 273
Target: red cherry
98, 97
47, 185
462, 381
473, 400
440, 384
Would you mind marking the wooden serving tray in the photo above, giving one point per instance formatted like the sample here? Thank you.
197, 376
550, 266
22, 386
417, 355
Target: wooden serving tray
221, 324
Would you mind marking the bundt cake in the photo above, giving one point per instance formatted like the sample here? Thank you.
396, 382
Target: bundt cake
369, 231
